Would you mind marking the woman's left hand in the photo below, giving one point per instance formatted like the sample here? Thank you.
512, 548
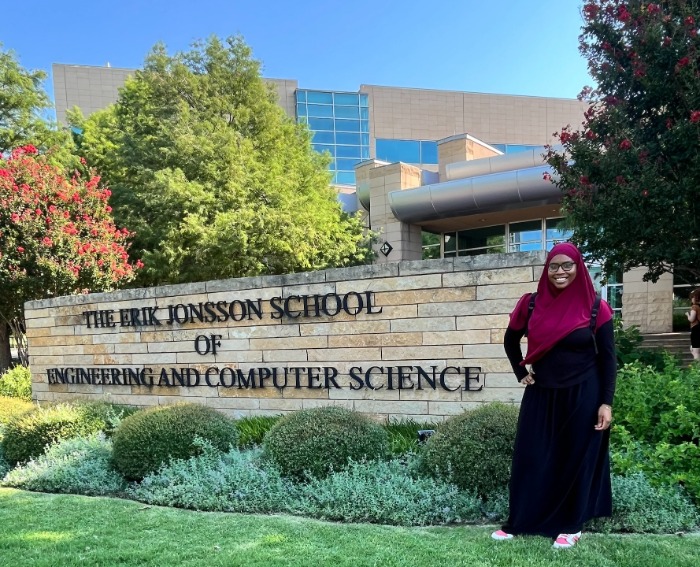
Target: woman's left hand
604, 417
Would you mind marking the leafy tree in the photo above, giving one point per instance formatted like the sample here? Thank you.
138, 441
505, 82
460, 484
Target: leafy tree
57, 237
23, 111
211, 174
630, 175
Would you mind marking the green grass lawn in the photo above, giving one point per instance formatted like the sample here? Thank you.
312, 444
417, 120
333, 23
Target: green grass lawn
60, 530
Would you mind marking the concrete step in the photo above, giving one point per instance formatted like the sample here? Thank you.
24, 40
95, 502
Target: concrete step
677, 344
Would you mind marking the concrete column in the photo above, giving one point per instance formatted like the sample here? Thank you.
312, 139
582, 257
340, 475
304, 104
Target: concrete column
404, 239
647, 305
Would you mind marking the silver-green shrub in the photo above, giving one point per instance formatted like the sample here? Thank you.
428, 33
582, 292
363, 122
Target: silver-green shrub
237, 481
79, 465
386, 492
639, 507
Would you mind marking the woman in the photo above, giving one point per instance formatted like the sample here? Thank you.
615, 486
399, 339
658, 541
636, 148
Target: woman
694, 317
560, 476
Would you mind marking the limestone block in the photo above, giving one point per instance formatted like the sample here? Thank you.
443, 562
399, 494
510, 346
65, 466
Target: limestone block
345, 354
345, 328
265, 331
423, 324
506, 395
281, 404
447, 409
483, 351
391, 284
308, 404
234, 403
386, 339
389, 406
421, 352
485, 307
284, 356
287, 343
515, 291
364, 394
478, 336
523, 274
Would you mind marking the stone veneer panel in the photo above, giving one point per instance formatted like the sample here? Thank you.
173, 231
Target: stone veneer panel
446, 314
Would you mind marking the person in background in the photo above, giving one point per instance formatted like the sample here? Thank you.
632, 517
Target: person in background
560, 475
694, 317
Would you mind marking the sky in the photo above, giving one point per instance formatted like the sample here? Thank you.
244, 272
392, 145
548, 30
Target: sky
521, 47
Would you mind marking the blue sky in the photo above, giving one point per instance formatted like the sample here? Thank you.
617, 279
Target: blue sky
525, 47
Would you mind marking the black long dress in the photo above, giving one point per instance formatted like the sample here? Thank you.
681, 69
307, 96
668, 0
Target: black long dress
560, 476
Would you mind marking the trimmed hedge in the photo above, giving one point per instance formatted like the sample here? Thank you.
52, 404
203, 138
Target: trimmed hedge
28, 434
316, 441
474, 449
146, 440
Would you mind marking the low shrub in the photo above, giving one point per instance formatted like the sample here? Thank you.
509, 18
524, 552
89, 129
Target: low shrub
12, 407
252, 430
214, 481
474, 449
640, 507
403, 435
17, 383
316, 441
27, 435
149, 438
657, 424
628, 347
75, 466
386, 493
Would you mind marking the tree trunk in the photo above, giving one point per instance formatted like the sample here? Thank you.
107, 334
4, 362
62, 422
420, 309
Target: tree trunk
5, 356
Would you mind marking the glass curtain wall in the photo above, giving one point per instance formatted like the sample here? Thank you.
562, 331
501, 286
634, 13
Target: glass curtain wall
340, 126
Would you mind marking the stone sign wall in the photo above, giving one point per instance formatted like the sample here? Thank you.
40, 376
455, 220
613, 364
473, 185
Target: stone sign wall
419, 339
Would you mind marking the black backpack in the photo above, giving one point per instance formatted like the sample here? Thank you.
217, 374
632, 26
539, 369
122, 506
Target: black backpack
591, 325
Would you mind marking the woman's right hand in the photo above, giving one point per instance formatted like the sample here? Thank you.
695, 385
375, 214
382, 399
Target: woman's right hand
528, 380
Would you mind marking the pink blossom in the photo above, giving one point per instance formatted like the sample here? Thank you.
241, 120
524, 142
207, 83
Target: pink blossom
625, 144
695, 116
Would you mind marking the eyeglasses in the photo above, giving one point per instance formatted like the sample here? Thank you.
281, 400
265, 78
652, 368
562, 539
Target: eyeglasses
566, 266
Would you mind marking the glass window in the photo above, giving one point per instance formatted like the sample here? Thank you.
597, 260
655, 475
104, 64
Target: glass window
556, 232
324, 148
324, 138
364, 152
345, 177
321, 123
364, 126
487, 240
301, 109
348, 138
347, 125
320, 110
364, 113
431, 245
428, 152
348, 151
348, 99
301, 96
398, 150
319, 97
364, 139
347, 112
450, 239
346, 164
525, 236
364, 100
499, 147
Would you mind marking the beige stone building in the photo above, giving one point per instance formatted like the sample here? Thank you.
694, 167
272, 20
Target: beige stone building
439, 174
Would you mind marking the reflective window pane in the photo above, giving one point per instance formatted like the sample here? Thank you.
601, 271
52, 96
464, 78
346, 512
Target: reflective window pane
347, 151
428, 152
320, 110
321, 123
525, 236
450, 240
556, 232
364, 152
364, 113
345, 177
301, 96
347, 99
364, 139
347, 125
319, 97
347, 138
324, 148
398, 150
364, 100
348, 164
347, 112
490, 236
301, 109
324, 138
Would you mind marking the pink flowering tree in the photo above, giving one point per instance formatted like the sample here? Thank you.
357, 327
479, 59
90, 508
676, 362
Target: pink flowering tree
57, 237
630, 172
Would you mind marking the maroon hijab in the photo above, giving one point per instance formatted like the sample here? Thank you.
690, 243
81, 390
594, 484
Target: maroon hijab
558, 312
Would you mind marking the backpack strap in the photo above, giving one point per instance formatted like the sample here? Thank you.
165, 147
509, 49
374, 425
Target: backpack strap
594, 316
530, 309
